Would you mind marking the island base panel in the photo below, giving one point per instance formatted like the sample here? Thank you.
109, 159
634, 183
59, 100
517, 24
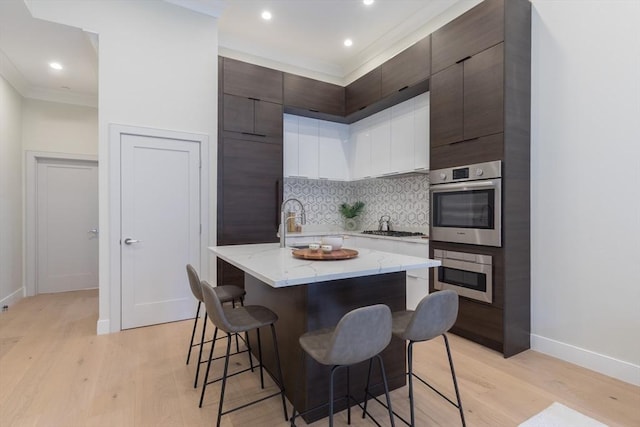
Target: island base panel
320, 305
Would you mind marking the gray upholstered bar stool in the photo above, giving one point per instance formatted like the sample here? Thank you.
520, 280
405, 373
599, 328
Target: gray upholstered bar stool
360, 335
226, 294
434, 316
234, 321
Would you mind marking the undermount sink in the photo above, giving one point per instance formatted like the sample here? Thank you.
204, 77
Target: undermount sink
299, 246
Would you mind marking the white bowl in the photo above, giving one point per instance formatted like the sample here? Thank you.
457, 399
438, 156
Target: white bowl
334, 241
314, 246
326, 248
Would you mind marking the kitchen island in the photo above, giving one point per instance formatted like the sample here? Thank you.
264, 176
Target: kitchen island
309, 295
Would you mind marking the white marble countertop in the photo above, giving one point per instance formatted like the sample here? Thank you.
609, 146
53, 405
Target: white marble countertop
278, 268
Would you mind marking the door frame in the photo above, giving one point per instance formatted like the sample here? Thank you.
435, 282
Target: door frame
31, 193
116, 132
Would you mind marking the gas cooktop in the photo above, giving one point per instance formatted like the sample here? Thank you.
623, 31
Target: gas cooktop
392, 233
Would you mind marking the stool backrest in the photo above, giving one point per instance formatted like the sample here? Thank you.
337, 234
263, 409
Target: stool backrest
194, 282
361, 334
434, 316
214, 308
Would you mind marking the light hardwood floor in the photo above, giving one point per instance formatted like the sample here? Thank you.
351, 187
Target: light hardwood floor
54, 371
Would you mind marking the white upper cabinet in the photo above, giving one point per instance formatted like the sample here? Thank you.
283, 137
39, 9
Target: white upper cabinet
380, 142
333, 151
421, 132
290, 141
410, 135
360, 153
315, 149
391, 142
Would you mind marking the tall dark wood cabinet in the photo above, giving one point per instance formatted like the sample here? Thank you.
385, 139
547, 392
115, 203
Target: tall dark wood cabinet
480, 112
249, 158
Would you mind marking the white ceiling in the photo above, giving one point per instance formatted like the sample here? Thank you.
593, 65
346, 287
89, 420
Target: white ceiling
304, 35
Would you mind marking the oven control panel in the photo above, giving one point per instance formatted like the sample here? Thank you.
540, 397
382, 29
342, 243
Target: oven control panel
488, 170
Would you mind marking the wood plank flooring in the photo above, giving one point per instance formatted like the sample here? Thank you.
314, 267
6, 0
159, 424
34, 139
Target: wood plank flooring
54, 371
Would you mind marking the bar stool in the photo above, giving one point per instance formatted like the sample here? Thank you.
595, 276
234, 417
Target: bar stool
434, 316
234, 321
226, 294
361, 334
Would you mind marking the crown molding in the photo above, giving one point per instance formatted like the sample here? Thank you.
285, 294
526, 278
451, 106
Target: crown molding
207, 7
61, 96
12, 75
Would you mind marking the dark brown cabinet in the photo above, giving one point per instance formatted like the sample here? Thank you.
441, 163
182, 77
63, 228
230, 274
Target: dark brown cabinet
407, 68
313, 95
481, 112
363, 92
467, 98
251, 81
471, 33
251, 188
249, 158
252, 117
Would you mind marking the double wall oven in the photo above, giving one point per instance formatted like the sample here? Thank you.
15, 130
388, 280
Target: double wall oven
466, 208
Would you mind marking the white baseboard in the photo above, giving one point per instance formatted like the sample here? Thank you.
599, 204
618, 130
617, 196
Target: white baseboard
12, 298
619, 369
102, 327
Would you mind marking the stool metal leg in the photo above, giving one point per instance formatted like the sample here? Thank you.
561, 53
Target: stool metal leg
348, 396
204, 328
224, 379
333, 371
410, 363
280, 377
455, 382
193, 333
366, 390
246, 340
386, 390
206, 375
298, 389
260, 358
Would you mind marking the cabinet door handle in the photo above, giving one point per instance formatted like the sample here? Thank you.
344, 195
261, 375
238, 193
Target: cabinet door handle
403, 88
254, 134
463, 59
254, 99
314, 111
464, 140
362, 108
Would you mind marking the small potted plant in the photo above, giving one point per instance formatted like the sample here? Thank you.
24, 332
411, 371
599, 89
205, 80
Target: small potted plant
350, 214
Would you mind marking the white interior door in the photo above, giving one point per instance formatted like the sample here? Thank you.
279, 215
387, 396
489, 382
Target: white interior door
160, 228
67, 221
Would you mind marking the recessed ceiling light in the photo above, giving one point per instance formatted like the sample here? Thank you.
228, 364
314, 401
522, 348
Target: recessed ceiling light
266, 15
348, 42
55, 65
367, 2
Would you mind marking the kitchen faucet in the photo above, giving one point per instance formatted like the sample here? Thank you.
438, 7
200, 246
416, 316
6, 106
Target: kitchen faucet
283, 227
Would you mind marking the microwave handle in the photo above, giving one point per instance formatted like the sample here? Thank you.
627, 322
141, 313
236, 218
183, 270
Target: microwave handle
463, 185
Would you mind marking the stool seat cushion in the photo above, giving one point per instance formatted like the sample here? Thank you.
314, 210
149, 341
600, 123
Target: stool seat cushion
360, 334
435, 314
400, 322
228, 293
245, 318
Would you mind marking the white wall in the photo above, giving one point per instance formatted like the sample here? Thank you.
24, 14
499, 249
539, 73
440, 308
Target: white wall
10, 194
585, 174
158, 68
62, 128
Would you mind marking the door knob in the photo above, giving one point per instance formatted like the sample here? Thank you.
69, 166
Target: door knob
129, 241
93, 231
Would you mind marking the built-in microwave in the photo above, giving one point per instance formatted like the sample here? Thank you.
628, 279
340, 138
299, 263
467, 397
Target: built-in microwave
470, 275
466, 204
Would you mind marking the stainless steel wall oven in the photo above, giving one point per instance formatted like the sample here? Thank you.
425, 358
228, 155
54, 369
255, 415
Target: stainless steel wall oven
470, 275
466, 204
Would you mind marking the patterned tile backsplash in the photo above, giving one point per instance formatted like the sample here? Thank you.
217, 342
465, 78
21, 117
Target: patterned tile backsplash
405, 199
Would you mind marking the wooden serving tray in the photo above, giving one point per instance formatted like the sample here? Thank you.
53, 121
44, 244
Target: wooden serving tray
325, 256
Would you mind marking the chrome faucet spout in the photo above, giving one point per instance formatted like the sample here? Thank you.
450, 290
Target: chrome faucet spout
283, 227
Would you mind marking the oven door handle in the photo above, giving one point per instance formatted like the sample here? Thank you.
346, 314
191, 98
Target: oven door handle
463, 185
